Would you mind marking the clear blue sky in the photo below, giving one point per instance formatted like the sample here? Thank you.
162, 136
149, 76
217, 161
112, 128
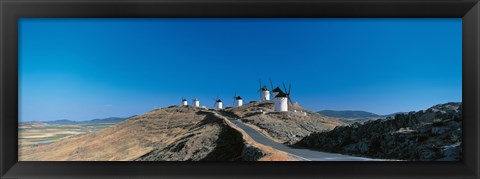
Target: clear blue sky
83, 69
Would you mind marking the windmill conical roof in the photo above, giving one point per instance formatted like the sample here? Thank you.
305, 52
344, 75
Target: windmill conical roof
238, 97
219, 100
277, 89
264, 88
281, 94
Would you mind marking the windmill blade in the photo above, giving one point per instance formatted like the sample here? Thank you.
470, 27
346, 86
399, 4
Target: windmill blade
289, 88
234, 96
260, 84
288, 94
271, 84
215, 104
290, 100
284, 88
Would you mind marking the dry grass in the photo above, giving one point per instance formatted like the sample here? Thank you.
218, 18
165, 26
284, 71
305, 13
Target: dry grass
122, 142
134, 138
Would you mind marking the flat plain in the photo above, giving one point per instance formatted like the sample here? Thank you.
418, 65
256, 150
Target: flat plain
32, 134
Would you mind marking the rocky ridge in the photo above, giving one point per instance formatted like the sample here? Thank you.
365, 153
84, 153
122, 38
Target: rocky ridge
433, 134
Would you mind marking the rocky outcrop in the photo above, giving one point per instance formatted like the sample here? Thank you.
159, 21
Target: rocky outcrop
433, 134
251, 153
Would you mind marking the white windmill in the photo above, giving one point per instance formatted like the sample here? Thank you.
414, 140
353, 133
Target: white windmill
237, 100
196, 102
282, 100
184, 102
218, 103
264, 93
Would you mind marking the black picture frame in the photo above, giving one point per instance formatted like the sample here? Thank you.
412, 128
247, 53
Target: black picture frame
11, 10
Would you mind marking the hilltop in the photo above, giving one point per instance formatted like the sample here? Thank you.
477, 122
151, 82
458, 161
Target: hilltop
433, 134
174, 133
285, 127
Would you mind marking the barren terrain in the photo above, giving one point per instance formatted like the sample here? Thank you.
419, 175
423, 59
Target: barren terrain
174, 133
286, 127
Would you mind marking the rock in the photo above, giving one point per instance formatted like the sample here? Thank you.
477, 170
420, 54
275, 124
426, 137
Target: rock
250, 153
425, 135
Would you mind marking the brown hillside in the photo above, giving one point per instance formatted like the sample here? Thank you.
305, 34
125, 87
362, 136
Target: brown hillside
288, 127
175, 133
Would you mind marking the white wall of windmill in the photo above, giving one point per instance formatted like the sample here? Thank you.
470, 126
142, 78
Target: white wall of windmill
274, 99
274, 93
265, 95
196, 103
219, 105
281, 104
184, 103
239, 102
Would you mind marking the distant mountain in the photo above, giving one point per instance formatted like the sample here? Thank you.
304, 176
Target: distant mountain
348, 114
107, 120
61, 121
93, 121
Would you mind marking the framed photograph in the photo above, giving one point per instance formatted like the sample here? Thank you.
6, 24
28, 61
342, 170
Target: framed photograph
239, 89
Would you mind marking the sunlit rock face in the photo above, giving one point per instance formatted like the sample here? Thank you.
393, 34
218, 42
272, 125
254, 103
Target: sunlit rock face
432, 134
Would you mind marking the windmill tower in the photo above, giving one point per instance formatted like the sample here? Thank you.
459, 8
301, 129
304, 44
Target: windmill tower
184, 102
264, 93
196, 102
218, 103
281, 102
238, 101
